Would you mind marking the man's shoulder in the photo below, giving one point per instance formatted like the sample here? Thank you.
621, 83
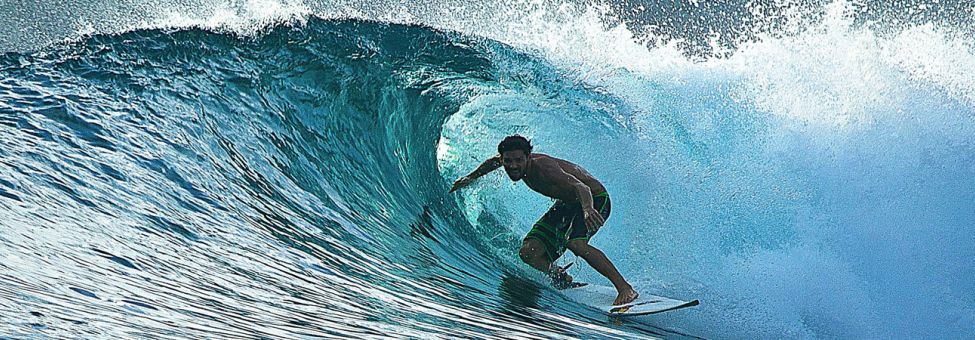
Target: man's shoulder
548, 165
553, 161
540, 158
543, 157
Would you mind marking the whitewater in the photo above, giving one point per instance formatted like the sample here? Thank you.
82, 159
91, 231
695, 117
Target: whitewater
279, 169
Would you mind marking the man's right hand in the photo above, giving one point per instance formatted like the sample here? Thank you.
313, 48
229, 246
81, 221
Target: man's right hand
460, 183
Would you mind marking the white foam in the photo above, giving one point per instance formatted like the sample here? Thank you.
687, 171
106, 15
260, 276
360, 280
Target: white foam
248, 18
806, 166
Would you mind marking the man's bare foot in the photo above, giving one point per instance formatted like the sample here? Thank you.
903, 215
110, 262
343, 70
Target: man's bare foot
626, 296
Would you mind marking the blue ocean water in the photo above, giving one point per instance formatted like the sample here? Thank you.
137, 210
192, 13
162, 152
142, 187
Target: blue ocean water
278, 169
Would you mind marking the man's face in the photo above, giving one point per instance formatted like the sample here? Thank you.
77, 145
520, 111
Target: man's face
515, 163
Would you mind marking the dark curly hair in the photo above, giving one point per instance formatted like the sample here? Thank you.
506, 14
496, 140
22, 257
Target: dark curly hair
515, 142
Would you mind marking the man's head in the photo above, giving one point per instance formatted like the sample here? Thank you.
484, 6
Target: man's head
514, 151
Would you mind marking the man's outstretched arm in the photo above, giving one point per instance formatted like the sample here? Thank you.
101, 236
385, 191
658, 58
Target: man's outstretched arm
489, 165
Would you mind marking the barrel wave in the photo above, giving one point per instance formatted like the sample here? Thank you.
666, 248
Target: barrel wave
809, 180
197, 184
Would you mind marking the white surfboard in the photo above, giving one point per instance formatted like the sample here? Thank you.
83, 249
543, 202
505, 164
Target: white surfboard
602, 297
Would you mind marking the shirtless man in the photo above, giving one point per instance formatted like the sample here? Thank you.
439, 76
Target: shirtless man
581, 207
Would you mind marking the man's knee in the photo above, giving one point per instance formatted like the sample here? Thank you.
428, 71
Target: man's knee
579, 247
531, 250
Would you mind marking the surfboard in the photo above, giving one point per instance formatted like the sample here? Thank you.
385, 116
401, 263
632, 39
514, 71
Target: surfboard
602, 297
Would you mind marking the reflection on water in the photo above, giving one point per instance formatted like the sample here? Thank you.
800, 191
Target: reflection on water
519, 294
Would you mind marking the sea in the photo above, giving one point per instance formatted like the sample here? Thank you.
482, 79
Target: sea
279, 169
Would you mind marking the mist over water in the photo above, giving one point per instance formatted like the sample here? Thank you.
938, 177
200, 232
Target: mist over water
280, 168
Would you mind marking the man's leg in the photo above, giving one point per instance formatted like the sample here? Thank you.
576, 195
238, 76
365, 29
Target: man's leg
533, 253
598, 261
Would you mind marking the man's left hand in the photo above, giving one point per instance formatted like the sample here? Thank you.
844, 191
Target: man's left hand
593, 219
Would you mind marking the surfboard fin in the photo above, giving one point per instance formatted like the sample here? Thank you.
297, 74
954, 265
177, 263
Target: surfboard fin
559, 279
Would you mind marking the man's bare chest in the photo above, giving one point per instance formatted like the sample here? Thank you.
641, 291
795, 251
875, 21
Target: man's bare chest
547, 189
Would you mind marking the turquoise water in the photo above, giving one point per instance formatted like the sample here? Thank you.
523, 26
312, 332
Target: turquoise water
279, 169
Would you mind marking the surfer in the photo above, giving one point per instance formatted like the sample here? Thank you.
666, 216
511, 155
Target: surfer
581, 207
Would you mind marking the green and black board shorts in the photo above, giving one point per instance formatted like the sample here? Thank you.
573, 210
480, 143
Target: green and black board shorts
565, 222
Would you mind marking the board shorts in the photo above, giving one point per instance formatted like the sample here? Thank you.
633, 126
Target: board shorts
565, 222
